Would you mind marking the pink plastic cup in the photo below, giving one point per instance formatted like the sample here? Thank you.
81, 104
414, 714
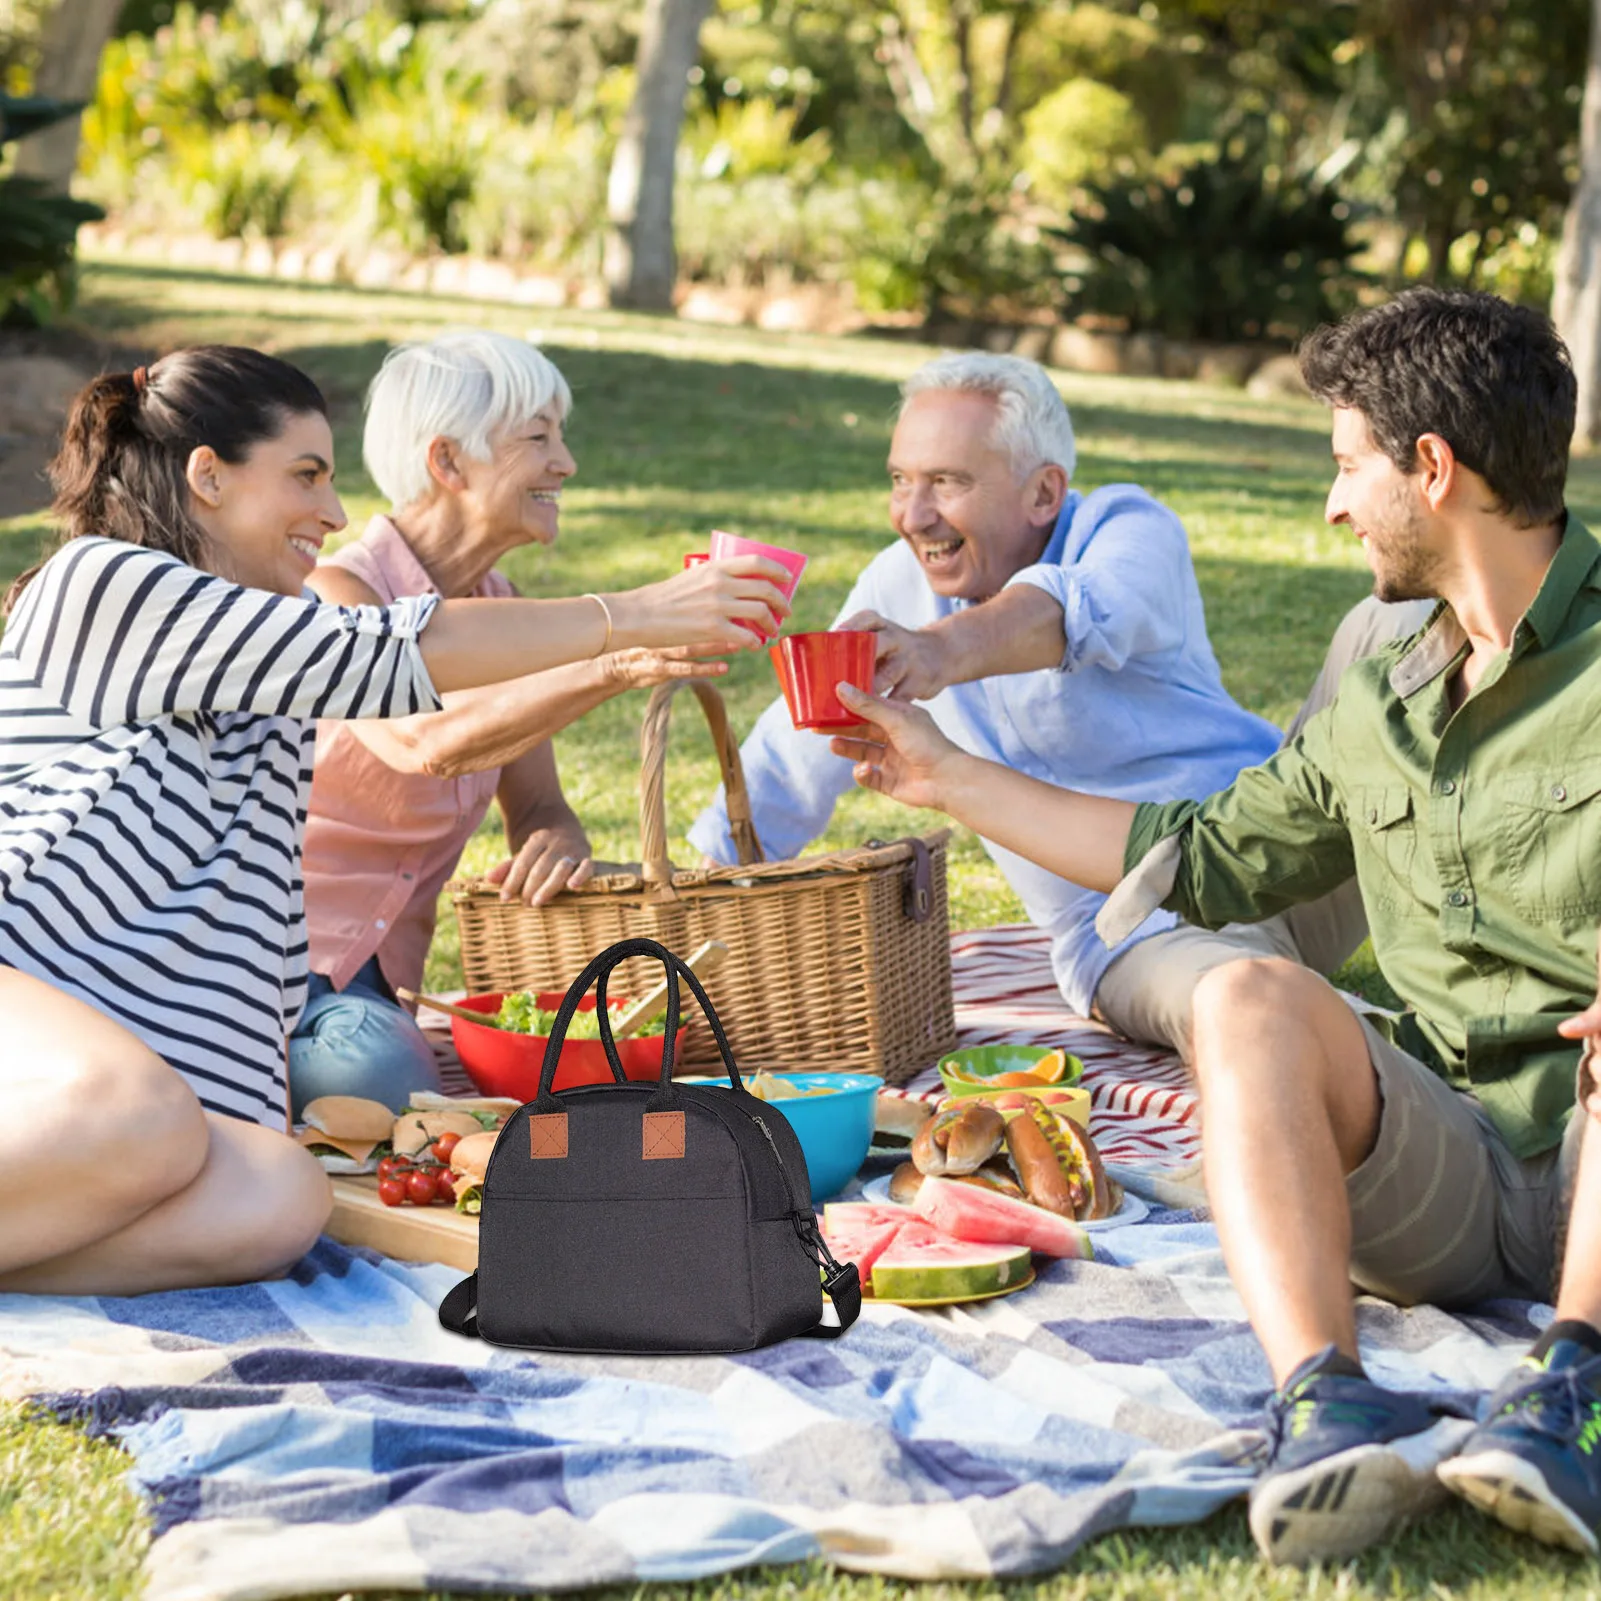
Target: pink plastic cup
726, 546
809, 666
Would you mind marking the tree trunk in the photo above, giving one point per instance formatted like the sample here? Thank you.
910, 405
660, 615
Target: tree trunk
1576, 299
641, 265
70, 43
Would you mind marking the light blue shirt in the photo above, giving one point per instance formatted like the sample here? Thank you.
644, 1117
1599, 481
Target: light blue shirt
1136, 710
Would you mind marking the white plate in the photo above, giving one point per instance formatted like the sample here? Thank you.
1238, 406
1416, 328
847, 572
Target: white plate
1131, 1211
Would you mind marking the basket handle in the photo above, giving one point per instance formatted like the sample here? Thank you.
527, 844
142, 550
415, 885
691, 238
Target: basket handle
655, 865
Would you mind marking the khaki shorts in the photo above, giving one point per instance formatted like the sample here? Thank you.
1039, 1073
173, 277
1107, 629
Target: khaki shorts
1441, 1210
1148, 993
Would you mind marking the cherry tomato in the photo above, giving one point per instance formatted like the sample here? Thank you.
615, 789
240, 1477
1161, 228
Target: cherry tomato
391, 1191
420, 1188
445, 1185
442, 1147
393, 1167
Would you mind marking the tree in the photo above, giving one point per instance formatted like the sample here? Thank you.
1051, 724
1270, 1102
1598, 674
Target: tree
1489, 88
73, 36
1576, 304
640, 263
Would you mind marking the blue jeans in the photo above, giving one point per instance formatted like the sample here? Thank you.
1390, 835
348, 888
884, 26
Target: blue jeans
358, 1041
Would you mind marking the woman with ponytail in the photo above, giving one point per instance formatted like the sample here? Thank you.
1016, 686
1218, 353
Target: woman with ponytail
160, 675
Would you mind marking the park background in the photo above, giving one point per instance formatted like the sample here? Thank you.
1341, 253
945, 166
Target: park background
736, 228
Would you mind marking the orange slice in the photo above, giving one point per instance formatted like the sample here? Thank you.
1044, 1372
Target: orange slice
1048, 1070
1051, 1069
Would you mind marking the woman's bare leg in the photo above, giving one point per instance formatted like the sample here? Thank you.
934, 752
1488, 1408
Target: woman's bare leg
120, 1182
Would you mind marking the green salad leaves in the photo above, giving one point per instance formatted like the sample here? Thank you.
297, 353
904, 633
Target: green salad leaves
522, 1014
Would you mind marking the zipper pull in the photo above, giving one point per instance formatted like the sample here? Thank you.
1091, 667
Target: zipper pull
767, 1134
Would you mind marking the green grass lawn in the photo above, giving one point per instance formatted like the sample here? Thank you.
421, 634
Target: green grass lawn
679, 429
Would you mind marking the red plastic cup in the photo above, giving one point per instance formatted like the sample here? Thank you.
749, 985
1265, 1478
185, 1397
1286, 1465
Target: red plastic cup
726, 546
696, 558
810, 665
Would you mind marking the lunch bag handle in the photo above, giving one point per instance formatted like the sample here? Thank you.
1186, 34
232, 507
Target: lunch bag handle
597, 973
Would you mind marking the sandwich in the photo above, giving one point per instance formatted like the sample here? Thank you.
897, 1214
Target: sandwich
413, 1132
345, 1132
468, 1162
898, 1116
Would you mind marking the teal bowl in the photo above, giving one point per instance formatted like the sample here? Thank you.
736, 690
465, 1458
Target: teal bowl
834, 1130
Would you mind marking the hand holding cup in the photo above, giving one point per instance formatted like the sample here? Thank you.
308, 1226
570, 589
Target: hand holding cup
900, 751
911, 662
714, 603
725, 546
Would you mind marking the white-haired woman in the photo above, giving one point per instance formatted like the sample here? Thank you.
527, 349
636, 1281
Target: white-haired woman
464, 438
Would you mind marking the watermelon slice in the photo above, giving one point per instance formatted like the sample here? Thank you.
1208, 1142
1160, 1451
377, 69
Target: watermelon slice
859, 1232
856, 1214
861, 1243
943, 1269
973, 1214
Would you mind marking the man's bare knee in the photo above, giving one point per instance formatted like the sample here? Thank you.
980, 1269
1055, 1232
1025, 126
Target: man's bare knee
1283, 1033
1236, 995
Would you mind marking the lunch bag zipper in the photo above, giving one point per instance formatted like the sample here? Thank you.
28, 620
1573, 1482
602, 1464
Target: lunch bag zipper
803, 1218
738, 1122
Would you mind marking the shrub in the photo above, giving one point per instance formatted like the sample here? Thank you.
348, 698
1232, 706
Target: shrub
243, 179
1079, 132
961, 251
38, 225
1225, 249
754, 138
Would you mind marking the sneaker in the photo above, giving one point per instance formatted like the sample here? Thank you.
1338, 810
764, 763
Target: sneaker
1535, 1462
1350, 1463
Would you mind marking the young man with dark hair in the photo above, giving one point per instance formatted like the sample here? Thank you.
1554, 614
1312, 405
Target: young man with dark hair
1458, 774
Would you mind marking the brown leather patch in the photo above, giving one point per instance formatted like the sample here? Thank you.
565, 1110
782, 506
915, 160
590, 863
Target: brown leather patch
547, 1134
664, 1135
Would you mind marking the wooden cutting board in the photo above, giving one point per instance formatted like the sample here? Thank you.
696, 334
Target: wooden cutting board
409, 1233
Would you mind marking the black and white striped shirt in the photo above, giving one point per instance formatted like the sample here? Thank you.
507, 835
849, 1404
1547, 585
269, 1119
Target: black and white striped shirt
156, 734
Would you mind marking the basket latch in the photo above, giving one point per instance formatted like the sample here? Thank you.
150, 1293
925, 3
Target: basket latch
917, 886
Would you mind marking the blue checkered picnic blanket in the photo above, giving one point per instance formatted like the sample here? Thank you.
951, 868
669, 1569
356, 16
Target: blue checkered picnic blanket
323, 1433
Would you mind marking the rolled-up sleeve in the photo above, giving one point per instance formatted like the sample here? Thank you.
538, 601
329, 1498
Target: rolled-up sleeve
1275, 838
1126, 592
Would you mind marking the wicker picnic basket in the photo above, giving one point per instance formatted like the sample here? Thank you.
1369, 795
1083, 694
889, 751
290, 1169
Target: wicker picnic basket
837, 962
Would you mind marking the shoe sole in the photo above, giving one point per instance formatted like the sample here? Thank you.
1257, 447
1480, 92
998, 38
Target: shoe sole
1333, 1508
1515, 1493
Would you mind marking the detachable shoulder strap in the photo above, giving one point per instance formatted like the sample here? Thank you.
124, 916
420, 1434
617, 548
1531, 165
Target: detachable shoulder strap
458, 1312
843, 1287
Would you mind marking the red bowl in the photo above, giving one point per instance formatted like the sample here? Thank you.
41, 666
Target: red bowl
503, 1063
810, 665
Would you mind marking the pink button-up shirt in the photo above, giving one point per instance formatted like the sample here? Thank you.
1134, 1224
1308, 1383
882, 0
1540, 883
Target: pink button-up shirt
380, 844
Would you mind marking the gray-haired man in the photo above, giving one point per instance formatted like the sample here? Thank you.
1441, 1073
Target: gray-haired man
1061, 634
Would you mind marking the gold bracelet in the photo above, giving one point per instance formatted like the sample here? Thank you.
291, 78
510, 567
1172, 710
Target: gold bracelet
605, 610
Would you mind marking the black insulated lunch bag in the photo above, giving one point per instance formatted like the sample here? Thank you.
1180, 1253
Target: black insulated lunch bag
654, 1218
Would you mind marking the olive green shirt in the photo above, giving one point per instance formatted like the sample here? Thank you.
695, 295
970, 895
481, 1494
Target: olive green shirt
1475, 837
